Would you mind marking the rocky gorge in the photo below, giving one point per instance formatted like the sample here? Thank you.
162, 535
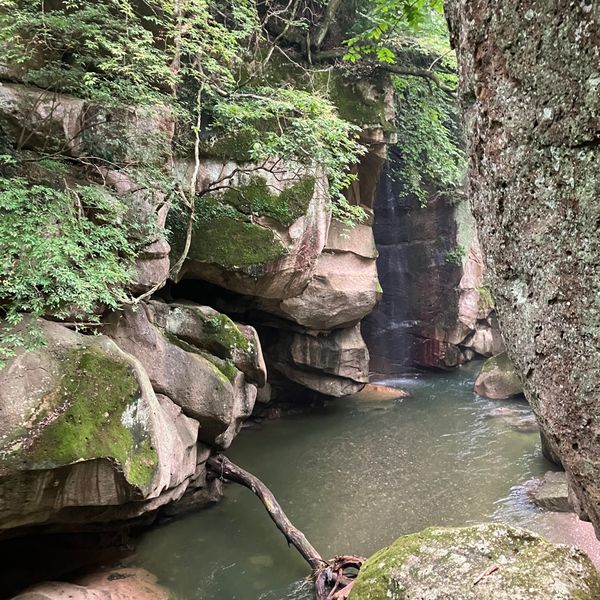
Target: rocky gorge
252, 292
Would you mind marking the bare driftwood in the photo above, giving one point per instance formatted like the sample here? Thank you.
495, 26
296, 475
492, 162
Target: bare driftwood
333, 579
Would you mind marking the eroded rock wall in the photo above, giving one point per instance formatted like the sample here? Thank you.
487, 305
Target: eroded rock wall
108, 429
530, 96
435, 310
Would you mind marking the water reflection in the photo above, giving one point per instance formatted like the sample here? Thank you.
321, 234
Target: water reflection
353, 476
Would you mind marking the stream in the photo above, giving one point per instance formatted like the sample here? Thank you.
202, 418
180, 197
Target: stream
353, 476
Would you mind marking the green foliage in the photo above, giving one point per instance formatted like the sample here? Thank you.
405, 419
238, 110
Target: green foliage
380, 21
303, 125
95, 50
486, 299
429, 138
66, 251
62, 253
195, 56
428, 143
456, 256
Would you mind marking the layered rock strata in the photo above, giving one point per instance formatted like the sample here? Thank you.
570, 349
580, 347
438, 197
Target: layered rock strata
98, 429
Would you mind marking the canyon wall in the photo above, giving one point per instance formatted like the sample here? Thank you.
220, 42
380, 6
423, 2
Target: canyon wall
531, 101
111, 429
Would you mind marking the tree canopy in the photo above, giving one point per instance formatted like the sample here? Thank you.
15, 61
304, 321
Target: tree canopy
202, 63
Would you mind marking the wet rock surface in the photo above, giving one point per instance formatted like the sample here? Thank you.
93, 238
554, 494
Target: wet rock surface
550, 492
498, 379
529, 92
491, 561
115, 584
520, 419
435, 311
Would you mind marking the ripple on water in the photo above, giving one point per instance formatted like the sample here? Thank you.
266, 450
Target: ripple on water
354, 477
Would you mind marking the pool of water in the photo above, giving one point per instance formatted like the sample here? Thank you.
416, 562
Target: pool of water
353, 476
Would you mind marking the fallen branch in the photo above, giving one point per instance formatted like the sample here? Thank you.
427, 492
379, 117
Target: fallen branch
491, 569
332, 582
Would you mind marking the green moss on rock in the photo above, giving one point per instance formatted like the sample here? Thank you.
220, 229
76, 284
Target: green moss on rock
354, 106
236, 147
257, 198
220, 330
96, 404
445, 563
501, 363
353, 102
223, 368
227, 238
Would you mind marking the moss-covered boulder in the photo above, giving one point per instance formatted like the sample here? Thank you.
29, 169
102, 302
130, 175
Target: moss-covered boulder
483, 562
262, 235
81, 427
498, 379
215, 333
192, 357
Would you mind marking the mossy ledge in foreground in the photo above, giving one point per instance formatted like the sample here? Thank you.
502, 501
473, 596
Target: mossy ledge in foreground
449, 563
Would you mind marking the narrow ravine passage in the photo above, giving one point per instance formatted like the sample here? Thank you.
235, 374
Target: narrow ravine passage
354, 476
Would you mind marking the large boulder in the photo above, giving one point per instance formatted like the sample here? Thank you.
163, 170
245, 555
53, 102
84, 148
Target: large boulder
498, 379
482, 562
83, 437
344, 286
334, 363
550, 491
111, 584
529, 92
262, 236
179, 348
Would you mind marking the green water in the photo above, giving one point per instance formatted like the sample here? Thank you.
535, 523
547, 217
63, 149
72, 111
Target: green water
352, 476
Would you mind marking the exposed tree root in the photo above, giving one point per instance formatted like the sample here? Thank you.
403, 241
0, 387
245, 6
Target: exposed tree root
333, 579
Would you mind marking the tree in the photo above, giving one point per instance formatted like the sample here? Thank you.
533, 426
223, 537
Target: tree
199, 61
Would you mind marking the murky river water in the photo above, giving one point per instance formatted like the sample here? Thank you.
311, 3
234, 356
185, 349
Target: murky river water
353, 477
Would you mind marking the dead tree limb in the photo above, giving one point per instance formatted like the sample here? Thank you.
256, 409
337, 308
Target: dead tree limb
333, 579
225, 469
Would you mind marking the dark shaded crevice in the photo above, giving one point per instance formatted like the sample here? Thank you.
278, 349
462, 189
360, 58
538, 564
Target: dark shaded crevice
419, 284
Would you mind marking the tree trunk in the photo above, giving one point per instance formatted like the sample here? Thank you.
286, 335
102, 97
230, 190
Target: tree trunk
530, 94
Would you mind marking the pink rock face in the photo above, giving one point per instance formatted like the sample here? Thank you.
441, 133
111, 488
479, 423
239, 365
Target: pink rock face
334, 363
344, 286
109, 584
181, 371
472, 279
47, 119
57, 489
300, 243
529, 73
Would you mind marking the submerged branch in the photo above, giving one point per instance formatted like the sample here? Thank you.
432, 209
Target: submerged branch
333, 579
225, 469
